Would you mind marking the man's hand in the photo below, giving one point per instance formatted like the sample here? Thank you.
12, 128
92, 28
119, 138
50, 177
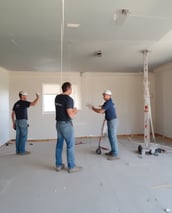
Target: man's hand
75, 110
37, 95
14, 126
90, 106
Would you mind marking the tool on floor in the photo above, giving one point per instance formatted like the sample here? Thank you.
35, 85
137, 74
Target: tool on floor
99, 149
78, 143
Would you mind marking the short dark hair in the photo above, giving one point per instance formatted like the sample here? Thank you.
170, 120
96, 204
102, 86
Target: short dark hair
66, 86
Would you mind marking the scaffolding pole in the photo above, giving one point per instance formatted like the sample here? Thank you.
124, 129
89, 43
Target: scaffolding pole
150, 147
148, 124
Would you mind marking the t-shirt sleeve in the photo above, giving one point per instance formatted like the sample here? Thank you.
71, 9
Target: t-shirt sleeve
69, 103
27, 103
105, 106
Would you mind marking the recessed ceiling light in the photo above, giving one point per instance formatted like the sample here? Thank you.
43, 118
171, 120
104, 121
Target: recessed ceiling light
119, 14
73, 25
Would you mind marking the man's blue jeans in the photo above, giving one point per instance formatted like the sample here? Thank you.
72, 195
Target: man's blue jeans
65, 131
21, 135
112, 135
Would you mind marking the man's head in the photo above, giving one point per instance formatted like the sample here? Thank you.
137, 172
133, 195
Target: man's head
67, 88
23, 95
107, 95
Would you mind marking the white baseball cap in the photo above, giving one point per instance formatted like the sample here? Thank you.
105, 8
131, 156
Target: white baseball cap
107, 92
23, 93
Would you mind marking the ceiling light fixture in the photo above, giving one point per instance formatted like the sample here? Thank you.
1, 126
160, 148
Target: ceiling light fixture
70, 25
125, 12
121, 14
98, 53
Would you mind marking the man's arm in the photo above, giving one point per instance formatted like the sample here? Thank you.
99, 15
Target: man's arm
72, 112
34, 102
13, 119
98, 110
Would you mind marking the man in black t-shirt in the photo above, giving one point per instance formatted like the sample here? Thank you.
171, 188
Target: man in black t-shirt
19, 119
65, 111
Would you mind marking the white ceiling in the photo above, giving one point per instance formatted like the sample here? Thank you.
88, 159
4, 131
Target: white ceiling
30, 35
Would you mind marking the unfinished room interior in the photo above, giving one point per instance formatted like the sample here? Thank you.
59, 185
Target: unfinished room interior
120, 46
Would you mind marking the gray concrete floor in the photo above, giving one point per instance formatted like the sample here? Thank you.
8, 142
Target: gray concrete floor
30, 184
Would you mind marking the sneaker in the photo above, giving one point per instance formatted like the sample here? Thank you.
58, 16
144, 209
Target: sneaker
75, 169
59, 168
108, 153
25, 153
112, 157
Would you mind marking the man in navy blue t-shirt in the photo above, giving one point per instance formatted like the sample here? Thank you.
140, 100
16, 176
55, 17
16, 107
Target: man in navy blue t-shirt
65, 111
19, 119
110, 115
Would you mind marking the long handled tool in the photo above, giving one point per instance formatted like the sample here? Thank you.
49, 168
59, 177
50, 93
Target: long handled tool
99, 149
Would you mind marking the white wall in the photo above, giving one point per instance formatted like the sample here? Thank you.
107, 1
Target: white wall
163, 88
127, 92
4, 106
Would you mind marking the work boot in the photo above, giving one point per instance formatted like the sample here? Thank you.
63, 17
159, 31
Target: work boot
108, 153
25, 153
112, 157
59, 168
75, 169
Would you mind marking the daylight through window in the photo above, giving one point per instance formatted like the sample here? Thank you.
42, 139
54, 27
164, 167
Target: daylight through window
49, 92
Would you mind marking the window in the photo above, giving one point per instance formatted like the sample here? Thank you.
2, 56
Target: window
49, 92
76, 95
